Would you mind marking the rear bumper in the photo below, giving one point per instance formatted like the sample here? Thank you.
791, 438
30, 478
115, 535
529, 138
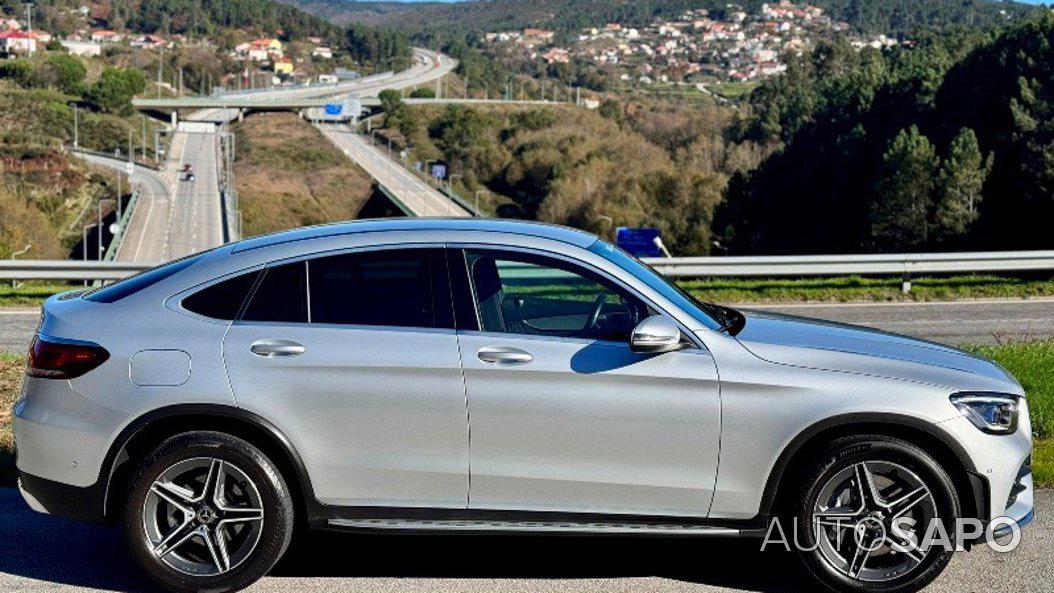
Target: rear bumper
62, 500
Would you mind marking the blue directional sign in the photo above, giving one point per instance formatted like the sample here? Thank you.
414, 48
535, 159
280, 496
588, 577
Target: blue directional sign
334, 108
639, 242
439, 171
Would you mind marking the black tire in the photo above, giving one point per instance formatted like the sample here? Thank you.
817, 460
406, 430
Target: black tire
273, 532
846, 454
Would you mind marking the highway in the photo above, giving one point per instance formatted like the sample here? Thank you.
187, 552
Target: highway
41, 553
163, 227
415, 194
175, 217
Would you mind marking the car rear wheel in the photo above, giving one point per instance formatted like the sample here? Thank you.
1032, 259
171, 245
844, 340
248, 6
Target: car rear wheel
208, 511
863, 510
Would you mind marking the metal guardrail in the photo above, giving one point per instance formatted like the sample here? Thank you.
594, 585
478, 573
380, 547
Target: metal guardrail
904, 265
49, 269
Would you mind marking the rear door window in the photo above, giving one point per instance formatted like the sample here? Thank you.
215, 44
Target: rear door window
391, 288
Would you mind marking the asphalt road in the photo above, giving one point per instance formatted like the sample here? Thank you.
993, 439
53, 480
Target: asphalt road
42, 553
155, 190
962, 322
419, 197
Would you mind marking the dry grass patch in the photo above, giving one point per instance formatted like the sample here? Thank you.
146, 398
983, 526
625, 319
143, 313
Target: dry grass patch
12, 368
288, 175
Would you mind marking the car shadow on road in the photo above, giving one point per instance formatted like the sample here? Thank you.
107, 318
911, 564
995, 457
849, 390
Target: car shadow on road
44, 548
737, 564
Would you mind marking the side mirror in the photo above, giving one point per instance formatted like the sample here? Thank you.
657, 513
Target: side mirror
655, 334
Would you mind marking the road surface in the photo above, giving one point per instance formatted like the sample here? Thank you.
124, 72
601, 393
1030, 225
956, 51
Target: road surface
419, 198
962, 322
162, 227
155, 190
41, 553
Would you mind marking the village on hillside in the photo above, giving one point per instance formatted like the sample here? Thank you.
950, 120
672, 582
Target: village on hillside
736, 46
265, 61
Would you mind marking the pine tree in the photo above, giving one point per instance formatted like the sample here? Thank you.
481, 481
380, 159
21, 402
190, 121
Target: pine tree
962, 178
900, 215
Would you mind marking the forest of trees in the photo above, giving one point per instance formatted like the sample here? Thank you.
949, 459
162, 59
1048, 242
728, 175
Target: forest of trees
946, 145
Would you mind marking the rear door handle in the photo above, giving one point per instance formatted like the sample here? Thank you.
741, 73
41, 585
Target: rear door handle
504, 355
272, 348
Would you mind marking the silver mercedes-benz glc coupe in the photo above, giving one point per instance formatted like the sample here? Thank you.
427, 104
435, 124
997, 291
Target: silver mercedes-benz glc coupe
489, 376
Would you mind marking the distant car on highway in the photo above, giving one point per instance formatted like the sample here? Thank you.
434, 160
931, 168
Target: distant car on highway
189, 177
494, 377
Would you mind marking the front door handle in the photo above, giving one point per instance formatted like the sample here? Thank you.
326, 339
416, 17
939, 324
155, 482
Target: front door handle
504, 355
272, 348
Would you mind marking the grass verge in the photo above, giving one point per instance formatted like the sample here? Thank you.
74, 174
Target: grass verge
28, 294
1032, 363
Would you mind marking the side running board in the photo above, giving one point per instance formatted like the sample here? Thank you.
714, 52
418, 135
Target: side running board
669, 529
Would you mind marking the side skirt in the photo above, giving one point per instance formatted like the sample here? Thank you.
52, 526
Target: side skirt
494, 522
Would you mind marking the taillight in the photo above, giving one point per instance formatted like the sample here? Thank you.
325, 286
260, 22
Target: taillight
63, 360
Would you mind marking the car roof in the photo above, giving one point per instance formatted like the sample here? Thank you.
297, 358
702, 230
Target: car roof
514, 227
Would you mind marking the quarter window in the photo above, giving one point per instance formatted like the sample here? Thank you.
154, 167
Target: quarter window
281, 295
525, 294
222, 300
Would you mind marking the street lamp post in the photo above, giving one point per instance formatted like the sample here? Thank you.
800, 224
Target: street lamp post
481, 191
76, 128
98, 210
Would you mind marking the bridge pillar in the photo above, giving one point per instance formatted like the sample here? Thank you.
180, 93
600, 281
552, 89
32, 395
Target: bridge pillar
241, 115
174, 118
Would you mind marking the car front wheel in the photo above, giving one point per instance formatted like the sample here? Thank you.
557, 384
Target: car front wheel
863, 510
208, 511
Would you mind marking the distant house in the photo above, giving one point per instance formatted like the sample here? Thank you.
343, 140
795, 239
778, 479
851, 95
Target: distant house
10, 24
539, 34
323, 52
148, 41
105, 36
270, 45
556, 55
82, 48
14, 42
345, 74
283, 66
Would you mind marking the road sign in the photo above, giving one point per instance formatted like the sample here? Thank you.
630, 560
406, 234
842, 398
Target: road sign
640, 242
439, 171
334, 108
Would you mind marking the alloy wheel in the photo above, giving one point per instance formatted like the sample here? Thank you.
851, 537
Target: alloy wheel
853, 520
203, 516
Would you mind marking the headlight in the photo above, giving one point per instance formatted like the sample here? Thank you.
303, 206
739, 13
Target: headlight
994, 413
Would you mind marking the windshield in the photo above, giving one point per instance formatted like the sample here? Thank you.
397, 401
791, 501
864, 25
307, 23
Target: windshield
715, 317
